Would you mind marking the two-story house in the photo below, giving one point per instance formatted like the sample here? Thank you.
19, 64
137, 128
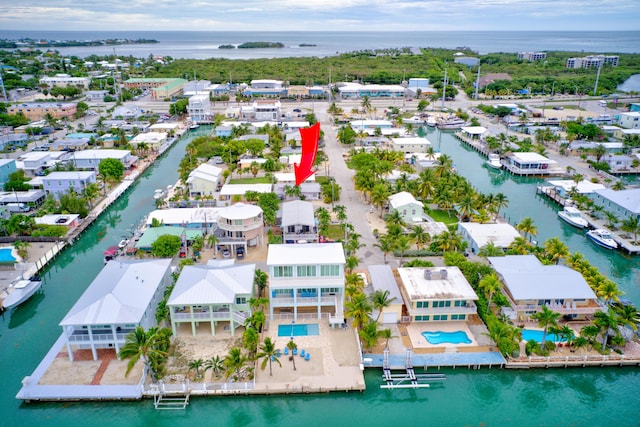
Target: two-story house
59, 183
241, 225
298, 223
307, 281
410, 209
204, 180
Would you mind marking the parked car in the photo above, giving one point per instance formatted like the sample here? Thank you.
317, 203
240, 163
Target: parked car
240, 252
226, 253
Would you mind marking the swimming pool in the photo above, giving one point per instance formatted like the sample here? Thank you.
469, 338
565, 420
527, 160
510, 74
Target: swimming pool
6, 255
536, 335
439, 337
298, 330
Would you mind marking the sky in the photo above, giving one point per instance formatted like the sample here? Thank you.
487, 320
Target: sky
320, 15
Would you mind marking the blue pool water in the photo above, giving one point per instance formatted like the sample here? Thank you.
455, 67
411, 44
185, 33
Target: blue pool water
6, 256
536, 335
439, 337
298, 330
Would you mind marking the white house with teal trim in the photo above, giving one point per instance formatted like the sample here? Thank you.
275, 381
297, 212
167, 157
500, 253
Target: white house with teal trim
218, 292
410, 209
437, 294
306, 281
124, 295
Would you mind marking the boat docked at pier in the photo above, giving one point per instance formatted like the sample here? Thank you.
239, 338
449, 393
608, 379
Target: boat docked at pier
602, 237
431, 121
21, 290
572, 216
451, 122
494, 161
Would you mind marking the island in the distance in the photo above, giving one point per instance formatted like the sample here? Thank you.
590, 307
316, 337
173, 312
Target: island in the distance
27, 42
307, 45
260, 45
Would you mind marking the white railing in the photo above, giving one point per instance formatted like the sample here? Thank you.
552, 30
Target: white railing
302, 301
203, 315
290, 316
468, 309
98, 338
243, 227
561, 310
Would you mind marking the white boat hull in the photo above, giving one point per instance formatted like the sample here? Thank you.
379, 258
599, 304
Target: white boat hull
605, 243
571, 222
19, 295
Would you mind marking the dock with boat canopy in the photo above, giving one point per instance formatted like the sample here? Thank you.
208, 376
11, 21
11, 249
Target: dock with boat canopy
409, 379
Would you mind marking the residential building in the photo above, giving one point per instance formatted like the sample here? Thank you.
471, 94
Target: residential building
90, 159
618, 162
240, 225
522, 163
70, 221
64, 80
410, 145
7, 167
96, 95
161, 88
309, 189
563, 187
38, 110
306, 281
529, 285
199, 109
265, 110
204, 180
630, 120
532, 56
437, 294
298, 222
357, 90
209, 295
31, 198
123, 296
236, 192
204, 219
410, 209
127, 112
33, 162
593, 61
623, 203
69, 144
265, 88
151, 234
59, 183
153, 140
383, 280
197, 87
479, 235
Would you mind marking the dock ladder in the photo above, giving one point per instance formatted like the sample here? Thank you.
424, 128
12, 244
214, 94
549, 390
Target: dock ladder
171, 396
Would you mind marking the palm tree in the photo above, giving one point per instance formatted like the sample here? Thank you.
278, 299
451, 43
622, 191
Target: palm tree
546, 318
21, 248
466, 207
146, 346
358, 309
379, 195
556, 249
216, 364
605, 321
608, 290
250, 340
234, 362
380, 300
566, 333
490, 284
628, 315
269, 354
386, 335
519, 246
420, 236
632, 225
590, 333
291, 345
612, 219
260, 280
366, 104
386, 243
490, 249
196, 365
403, 244
369, 335
527, 227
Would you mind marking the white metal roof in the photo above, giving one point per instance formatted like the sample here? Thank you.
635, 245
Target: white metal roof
241, 189
212, 284
101, 154
583, 187
501, 235
297, 212
531, 157
290, 177
240, 211
528, 279
382, 279
402, 198
184, 215
53, 176
120, 293
415, 140
628, 199
474, 130
305, 254
453, 286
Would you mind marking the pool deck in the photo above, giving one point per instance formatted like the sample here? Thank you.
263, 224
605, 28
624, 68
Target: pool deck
471, 360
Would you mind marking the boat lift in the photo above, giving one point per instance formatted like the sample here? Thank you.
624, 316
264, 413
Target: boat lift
409, 379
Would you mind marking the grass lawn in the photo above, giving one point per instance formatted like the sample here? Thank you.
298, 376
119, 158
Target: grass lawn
448, 217
335, 232
251, 180
321, 179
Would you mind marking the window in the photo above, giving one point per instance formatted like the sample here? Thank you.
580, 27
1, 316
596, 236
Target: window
444, 317
330, 270
419, 304
306, 270
454, 317
241, 300
283, 271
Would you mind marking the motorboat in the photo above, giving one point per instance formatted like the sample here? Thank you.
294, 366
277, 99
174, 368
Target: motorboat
572, 216
451, 122
123, 243
110, 253
494, 161
602, 238
415, 120
21, 290
431, 121
159, 194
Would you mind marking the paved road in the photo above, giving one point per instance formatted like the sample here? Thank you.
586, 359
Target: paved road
357, 211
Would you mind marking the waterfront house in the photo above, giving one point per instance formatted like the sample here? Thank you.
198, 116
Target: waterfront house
564, 187
306, 281
382, 279
236, 192
479, 235
165, 127
70, 221
528, 164
437, 294
410, 209
151, 234
309, 189
204, 180
474, 132
124, 295
199, 109
298, 223
240, 225
31, 198
195, 218
618, 162
153, 140
410, 145
59, 183
529, 285
218, 292
357, 90
90, 159
623, 203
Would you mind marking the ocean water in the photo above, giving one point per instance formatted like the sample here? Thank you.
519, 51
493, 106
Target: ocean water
204, 44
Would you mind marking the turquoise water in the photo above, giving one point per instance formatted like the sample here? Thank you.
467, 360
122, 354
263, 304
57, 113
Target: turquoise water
6, 256
546, 397
439, 337
536, 335
298, 330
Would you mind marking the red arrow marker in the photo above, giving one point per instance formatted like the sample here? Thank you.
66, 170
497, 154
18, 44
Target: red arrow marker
310, 137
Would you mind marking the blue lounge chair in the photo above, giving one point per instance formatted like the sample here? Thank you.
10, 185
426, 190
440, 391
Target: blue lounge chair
278, 353
307, 356
302, 353
295, 351
286, 351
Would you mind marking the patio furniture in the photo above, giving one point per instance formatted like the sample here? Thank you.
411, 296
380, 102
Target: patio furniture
295, 351
302, 353
307, 357
286, 351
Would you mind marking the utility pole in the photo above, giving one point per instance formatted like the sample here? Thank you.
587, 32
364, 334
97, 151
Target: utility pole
444, 87
475, 95
595, 87
4, 92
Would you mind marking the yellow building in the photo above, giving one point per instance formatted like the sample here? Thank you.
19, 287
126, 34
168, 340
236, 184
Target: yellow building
37, 110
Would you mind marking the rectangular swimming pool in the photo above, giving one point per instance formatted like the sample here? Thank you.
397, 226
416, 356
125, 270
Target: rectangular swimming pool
298, 330
536, 335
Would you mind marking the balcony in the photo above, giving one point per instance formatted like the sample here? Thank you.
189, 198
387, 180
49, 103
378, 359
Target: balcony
470, 308
593, 307
99, 336
242, 227
304, 301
